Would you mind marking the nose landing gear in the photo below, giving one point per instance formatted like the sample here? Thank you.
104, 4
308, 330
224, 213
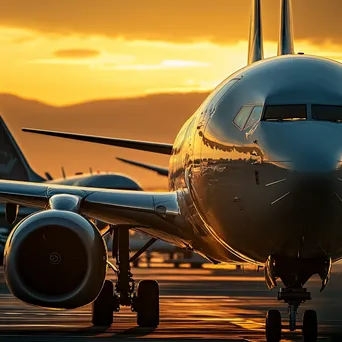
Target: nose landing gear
294, 273
144, 301
274, 326
293, 297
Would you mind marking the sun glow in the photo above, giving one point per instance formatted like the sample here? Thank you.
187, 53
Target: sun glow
68, 69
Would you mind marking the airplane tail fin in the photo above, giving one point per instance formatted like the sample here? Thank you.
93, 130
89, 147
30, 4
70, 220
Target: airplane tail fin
285, 44
255, 46
13, 164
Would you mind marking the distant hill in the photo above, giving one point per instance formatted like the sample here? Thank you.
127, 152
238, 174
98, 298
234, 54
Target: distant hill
154, 117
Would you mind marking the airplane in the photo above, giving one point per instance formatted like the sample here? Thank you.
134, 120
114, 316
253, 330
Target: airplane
14, 165
254, 178
162, 171
187, 257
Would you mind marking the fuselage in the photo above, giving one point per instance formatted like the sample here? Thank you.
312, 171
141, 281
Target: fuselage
258, 164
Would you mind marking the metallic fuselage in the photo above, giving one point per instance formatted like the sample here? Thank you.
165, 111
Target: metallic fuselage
274, 188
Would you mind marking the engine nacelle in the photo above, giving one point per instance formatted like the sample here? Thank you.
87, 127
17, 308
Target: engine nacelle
55, 259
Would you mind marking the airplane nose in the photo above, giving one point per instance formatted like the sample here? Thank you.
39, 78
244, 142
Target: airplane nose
308, 146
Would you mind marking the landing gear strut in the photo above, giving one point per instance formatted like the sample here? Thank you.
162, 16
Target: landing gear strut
293, 297
144, 301
294, 273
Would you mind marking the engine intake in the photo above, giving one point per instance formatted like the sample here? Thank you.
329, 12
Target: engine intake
55, 259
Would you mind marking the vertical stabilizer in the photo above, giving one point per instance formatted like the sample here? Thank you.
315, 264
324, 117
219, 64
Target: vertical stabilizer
13, 164
285, 44
255, 46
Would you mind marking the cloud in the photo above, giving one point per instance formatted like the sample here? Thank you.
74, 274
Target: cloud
16, 36
106, 61
167, 64
222, 21
76, 53
91, 58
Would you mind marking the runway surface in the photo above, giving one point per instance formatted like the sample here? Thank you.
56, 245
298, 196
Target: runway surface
195, 304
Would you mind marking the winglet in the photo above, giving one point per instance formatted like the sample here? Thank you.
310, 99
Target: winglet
285, 44
48, 176
255, 46
63, 172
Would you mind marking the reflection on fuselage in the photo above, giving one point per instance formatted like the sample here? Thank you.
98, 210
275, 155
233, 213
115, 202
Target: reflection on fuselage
274, 187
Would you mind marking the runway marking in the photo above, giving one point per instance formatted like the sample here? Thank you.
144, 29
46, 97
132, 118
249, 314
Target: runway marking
235, 312
276, 182
280, 198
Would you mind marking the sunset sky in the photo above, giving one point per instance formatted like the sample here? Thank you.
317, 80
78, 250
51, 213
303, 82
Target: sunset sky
63, 52
68, 51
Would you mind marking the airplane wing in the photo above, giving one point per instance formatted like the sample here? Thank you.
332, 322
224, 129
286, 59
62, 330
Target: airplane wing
163, 171
155, 213
132, 144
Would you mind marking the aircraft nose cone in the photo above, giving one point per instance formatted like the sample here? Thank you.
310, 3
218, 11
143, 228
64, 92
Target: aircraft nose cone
308, 159
309, 147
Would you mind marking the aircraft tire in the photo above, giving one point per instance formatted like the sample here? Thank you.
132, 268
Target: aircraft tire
310, 326
102, 307
148, 304
273, 326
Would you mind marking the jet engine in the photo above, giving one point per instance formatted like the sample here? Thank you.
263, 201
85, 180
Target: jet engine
55, 259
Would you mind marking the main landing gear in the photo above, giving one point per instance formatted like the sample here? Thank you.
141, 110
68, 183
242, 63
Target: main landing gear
144, 301
294, 273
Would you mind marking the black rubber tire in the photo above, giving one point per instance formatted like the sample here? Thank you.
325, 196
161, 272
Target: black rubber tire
196, 265
148, 304
310, 326
102, 307
273, 326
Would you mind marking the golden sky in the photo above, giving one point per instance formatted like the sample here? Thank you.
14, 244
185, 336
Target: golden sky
68, 51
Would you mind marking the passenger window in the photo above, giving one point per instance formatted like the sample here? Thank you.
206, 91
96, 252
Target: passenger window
242, 116
255, 116
285, 113
327, 113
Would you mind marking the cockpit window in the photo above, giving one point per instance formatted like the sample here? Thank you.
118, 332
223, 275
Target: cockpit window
242, 116
255, 116
285, 113
326, 113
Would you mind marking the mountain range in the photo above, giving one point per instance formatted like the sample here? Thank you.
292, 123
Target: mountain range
156, 117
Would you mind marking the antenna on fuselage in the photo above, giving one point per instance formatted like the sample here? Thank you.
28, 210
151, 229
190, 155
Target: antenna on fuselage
255, 45
63, 172
285, 44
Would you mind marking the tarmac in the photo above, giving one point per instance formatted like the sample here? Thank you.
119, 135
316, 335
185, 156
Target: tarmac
205, 304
